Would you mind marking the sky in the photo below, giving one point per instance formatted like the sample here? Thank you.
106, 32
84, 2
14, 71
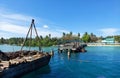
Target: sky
101, 17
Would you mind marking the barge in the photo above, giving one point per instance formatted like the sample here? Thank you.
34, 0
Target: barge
20, 66
17, 64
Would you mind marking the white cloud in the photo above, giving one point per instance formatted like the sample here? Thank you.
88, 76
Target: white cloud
7, 15
45, 26
109, 31
16, 17
14, 25
62, 30
11, 28
2, 34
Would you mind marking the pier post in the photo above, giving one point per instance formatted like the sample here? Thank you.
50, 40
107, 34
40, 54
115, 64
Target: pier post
41, 50
61, 51
58, 50
69, 52
68, 57
52, 52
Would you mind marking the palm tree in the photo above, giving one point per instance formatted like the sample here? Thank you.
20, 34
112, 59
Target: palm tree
71, 33
78, 35
41, 37
63, 34
49, 35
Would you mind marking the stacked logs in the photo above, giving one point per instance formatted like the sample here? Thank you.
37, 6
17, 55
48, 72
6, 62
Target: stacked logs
3, 56
12, 55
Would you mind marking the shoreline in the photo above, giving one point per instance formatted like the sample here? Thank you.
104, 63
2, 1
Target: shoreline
102, 45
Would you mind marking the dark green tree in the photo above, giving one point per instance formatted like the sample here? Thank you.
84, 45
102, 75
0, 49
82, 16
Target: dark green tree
86, 37
64, 34
71, 33
78, 35
93, 38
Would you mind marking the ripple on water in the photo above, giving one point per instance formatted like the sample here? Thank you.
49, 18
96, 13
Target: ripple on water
98, 62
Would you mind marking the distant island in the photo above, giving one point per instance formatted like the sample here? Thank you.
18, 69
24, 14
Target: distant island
66, 37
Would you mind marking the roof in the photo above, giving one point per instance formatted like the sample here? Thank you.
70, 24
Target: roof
109, 39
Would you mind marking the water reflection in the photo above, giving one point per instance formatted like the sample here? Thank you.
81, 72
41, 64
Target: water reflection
69, 57
42, 71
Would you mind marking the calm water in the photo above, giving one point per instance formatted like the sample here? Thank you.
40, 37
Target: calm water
98, 62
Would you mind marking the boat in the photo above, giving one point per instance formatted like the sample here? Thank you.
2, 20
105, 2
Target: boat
19, 63
20, 66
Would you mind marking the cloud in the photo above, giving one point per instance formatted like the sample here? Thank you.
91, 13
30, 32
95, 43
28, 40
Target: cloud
6, 14
62, 30
8, 27
13, 24
16, 17
45, 26
16, 25
109, 31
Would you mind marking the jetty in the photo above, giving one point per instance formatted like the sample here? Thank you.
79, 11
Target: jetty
19, 63
72, 47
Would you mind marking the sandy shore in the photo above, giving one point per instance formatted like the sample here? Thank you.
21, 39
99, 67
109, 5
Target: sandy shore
103, 44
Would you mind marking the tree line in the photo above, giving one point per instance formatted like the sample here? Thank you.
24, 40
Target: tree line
48, 41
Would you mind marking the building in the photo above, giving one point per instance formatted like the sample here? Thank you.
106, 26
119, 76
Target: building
108, 41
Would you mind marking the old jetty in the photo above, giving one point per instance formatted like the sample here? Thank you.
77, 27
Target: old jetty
16, 64
72, 47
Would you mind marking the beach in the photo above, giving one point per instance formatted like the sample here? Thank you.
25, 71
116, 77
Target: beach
102, 44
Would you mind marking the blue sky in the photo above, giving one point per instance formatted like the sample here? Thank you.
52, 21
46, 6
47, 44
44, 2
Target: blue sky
101, 17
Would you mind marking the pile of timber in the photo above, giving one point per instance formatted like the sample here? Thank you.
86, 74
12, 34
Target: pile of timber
6, 56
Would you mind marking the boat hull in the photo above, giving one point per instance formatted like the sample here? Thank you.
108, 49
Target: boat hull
22, 69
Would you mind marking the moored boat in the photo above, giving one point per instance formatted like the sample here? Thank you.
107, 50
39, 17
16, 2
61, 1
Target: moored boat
19, 66
16, 64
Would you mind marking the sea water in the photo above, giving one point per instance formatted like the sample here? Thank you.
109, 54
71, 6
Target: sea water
97, 62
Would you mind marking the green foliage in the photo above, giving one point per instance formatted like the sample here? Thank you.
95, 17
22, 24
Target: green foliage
93, 38
79, 35
86, 37
89, 38
117, 38
69, 37
49, 41
2, 40
46, 41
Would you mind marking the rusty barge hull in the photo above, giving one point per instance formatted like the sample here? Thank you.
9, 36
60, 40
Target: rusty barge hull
17, 64
24, 68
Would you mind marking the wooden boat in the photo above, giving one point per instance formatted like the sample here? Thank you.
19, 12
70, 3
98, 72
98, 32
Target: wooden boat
16, 64
21, 65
